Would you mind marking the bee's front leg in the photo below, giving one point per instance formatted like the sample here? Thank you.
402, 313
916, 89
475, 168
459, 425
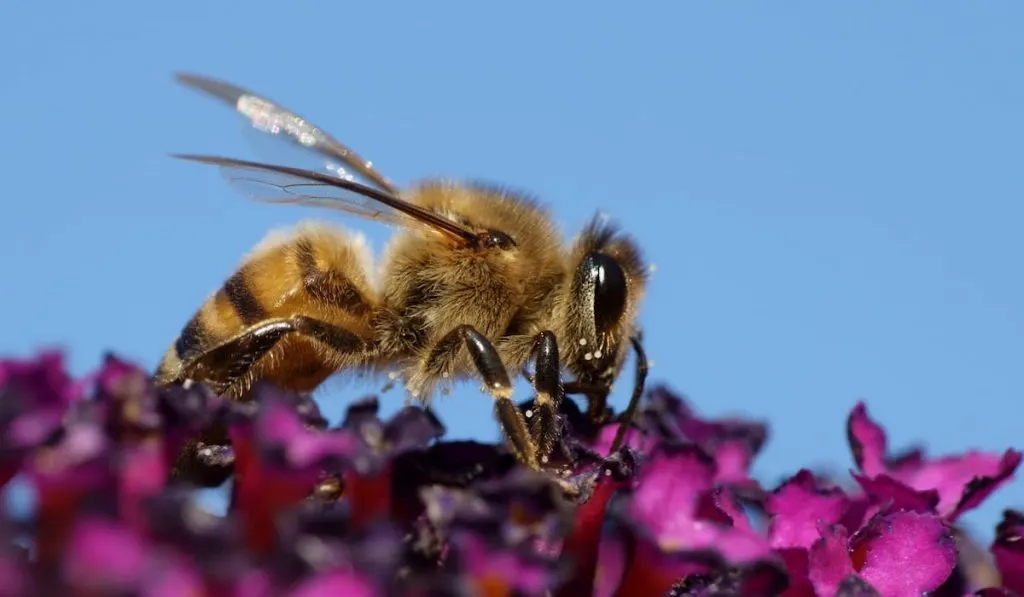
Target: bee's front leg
595, 393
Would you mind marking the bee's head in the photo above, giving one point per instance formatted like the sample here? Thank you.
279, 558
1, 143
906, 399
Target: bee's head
607, 286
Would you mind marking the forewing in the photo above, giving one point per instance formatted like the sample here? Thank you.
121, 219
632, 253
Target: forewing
275, 129
269, 183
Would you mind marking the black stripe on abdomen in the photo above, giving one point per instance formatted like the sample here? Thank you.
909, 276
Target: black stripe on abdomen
245, 304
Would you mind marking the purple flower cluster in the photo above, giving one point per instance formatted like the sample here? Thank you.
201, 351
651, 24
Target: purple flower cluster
376, 506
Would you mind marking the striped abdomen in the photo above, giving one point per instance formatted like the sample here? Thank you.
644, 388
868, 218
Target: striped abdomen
317, 271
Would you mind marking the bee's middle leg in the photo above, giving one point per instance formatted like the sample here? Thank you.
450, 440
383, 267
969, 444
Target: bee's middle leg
488, 363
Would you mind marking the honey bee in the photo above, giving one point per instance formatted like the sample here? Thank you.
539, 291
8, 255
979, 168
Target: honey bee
476, 282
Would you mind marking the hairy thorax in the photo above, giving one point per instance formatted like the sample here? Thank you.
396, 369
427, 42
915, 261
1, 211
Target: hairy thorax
430, 291
432, 286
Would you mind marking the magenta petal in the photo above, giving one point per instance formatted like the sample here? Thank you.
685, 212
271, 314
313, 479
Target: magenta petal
255, 583
283, 427
79, 464
1008, 550
142, 473
798, 506
733, 459
14, 574
103, 556
278, 422
490, 567
113, 369
670, 484
981, 486
734, 545
32, 427
335, 583
172, 578
952, 475
43, 381
905, 553
602, 443
886, 491
732, 442
829, 560
704, 541
670, 505
867, 441
34, 395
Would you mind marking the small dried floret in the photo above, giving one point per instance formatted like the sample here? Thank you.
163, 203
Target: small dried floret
132, 402
759, 579
410, 428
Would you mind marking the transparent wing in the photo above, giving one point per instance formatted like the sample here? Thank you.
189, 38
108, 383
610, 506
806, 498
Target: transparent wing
275, 129
269, 183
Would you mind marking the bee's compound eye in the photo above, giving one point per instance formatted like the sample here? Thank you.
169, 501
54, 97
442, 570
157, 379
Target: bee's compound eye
609, 284
498, 239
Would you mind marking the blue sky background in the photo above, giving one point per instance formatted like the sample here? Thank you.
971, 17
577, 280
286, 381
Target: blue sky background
832, 195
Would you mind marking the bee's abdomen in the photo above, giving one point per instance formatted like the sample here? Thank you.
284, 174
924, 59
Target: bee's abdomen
314, 271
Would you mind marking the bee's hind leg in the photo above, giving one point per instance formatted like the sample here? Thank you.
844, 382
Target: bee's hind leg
495, 376
227, 364
227, 369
